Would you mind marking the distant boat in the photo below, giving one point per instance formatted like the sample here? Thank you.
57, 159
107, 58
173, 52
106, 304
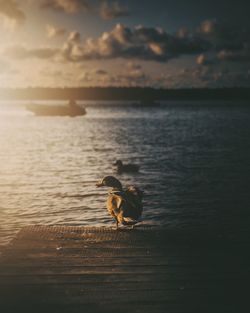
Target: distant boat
72, 109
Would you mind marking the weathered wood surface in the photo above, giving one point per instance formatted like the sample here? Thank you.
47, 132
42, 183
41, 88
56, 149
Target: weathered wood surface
80, 269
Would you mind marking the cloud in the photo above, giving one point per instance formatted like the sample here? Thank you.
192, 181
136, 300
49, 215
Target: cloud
144, 44
11, 13
106, 10
183, 32
71, 48
53, 31
223, 35
21, 52
67, 6
209, 27
141, 43
228, 42
202, 59
74, 37
113, 10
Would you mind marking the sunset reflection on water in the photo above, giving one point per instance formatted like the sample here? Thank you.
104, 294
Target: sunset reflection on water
191, 160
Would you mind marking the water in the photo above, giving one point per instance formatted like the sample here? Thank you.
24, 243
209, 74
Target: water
194, 165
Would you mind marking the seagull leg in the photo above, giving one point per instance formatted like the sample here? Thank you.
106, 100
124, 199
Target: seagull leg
117, 225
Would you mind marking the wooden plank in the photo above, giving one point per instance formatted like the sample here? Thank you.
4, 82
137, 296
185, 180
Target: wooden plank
88, 269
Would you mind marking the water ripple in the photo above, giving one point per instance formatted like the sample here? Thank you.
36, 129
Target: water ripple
194, 166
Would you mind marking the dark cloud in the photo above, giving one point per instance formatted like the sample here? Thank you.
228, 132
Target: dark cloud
202, 59
228, 42
10, 9
139, 43
223, 35
109, 11
105, 9
147, 43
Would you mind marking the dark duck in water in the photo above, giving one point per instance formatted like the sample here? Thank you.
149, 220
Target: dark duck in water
126, 168
125, 205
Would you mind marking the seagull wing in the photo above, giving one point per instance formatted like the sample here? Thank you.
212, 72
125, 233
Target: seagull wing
124, 206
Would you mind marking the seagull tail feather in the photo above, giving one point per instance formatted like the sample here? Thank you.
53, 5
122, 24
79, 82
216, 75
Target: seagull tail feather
129, 221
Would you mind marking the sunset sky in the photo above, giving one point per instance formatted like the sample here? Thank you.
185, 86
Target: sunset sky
161, 43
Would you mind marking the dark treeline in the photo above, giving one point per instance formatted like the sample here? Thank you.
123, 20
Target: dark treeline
123, 93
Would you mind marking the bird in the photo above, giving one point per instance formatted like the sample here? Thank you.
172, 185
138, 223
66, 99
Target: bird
124, 205
126, 168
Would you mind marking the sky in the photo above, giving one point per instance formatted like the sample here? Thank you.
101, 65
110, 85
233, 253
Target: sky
161, 44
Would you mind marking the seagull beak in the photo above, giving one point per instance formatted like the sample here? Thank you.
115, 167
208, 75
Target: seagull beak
99, 184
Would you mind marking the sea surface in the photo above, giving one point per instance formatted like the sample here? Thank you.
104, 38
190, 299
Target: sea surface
194, 165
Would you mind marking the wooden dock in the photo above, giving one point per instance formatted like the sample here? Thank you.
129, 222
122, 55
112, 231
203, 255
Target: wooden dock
83, 269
